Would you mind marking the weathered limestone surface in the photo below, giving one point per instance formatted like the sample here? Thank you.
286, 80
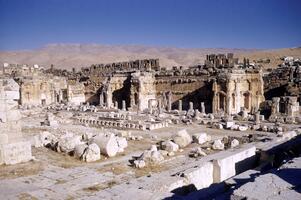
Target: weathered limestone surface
228, 163
107, 144
13, 149
92, 153
277, 184
13, 153
201, 176
182, 138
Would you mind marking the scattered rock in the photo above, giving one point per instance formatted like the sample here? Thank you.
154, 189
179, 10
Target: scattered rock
79, 150
67, 144
197, 152
122, 143
218, 145
139, 164
169, 146
243, 128
200, 138
234, 143
182, 138
92, 153
107, 144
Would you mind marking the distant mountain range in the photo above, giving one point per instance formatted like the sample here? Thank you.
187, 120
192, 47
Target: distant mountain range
67, 56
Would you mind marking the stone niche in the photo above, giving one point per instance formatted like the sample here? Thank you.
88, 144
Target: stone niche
13, 148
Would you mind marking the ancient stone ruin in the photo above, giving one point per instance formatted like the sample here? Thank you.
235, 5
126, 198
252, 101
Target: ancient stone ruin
138, 130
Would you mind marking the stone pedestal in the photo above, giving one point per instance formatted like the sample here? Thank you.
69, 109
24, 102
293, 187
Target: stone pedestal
13, 149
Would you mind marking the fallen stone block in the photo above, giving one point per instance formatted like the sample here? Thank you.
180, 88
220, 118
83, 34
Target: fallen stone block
107, 144
43, 139
234, 127
220, 126
67, 144
79, 150
230, 163
169, 146
152, 156
243, 128
122, 143
197, 152
218, 145
87, 136
234, 143
92, 153
139, 164
229, 124
182, 138
287, 135
14, 153
200, 176
200, 138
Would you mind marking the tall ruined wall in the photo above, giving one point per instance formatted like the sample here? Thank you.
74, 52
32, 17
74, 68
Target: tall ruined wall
75, 93
192, 88
118, 89
283, 81
142, 65
93, 87
47, 90
142, 90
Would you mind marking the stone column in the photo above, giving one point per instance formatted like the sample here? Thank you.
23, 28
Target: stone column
123, 105
160, 106
190, 105
275, 105
214, 103
180, 107
116, 104
228, 104
101, 100
196, 114
109, 99
257, 117
203, 108
169, 101
150, 107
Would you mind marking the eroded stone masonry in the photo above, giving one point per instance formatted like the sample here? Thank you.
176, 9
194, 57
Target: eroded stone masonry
137, 130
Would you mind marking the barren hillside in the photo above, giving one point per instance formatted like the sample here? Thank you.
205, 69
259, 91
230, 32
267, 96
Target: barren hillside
79, 55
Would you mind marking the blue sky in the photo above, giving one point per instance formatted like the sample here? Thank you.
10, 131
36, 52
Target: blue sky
29, 24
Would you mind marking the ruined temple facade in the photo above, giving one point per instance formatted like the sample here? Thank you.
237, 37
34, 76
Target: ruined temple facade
231, 89
238, 90
45, 91
221, 84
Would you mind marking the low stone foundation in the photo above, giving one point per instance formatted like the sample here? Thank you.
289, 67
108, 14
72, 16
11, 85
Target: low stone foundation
14, 153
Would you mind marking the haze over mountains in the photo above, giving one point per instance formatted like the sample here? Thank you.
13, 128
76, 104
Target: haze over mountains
82, 55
